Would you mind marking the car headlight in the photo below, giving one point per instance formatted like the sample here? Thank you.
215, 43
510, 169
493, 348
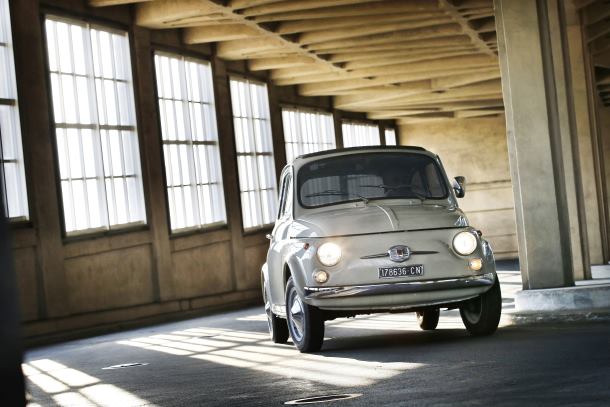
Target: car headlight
465, 243
329, 254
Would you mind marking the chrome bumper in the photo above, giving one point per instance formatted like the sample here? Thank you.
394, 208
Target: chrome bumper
482, 280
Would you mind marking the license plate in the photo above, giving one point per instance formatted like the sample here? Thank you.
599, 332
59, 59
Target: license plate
401, 271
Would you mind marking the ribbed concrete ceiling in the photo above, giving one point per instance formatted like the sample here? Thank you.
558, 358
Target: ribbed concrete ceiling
410, 60
595, 16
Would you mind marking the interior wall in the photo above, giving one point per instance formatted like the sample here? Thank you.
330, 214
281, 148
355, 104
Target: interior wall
475, 148
71, 286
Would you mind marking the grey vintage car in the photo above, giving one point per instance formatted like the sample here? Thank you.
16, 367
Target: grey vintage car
375, 229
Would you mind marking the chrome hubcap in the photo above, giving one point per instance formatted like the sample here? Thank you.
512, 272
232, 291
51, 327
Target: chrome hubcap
296, 317
473, 310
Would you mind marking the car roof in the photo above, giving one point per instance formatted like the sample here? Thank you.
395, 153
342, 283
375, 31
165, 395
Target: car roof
358, 149
303, 159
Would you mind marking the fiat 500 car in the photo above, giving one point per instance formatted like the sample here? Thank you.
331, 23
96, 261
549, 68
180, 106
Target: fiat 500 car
368, 230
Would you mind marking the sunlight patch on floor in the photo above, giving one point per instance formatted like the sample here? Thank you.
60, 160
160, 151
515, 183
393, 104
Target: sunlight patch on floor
52, 383
252, 350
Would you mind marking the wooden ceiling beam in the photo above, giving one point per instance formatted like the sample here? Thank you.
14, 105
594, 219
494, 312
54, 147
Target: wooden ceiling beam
433, 52
429, 101
326, 35
406, 59
302, 75
453, 8
444, 30
161, 14
105, 3
225, 32
301, 26
331, 88
462, 114
454, 40
393, 114
287, 6
261, 64
353, 10
242, 4
433, 87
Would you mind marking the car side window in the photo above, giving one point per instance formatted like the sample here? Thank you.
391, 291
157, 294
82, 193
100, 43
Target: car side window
285, 199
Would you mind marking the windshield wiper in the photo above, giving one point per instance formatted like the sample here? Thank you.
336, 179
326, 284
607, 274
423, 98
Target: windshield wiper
330, 192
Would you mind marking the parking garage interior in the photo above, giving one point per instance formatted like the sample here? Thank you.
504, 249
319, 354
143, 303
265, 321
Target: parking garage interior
142, 142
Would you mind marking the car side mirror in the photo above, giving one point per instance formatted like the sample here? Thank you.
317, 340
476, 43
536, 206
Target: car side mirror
459, 186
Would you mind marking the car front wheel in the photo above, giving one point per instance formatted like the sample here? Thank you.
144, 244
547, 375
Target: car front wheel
305, 323
278, 328
481, 315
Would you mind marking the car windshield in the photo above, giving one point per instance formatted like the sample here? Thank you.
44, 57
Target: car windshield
367, 176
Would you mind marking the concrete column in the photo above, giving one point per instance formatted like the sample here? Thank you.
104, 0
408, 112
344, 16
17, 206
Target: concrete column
584, 136
381, 128
230, 179
152, 165
277, 130
540, 123
39, 156
338, 128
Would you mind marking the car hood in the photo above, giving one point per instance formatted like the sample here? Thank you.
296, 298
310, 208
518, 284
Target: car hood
377, 218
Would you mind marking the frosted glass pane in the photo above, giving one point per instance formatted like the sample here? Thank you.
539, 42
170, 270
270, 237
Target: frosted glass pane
74, 153
78, 49
89, 153
69, 98
63, 39
67, 200
81, 219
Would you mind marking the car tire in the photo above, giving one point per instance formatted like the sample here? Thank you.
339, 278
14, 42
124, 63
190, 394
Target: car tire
481, 315
278, 327
305, 322
428, 319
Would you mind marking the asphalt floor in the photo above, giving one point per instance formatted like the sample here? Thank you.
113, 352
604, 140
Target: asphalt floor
227, 360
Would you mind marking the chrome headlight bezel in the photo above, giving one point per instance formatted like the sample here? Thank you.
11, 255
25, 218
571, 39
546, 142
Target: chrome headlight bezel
465, 243
329, 254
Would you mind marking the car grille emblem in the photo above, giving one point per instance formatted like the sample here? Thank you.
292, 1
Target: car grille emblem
399, 253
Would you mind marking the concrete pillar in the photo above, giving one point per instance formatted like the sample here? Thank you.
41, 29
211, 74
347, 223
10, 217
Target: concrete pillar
152, 165
540, 130
337, 122
39, 146
584, 137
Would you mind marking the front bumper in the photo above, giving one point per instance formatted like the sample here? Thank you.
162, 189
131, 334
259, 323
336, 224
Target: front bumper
481, 280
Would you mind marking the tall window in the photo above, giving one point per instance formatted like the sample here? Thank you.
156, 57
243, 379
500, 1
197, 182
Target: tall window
94, 112
307, 132
360, 134
14, 195
190, 142
254, 146
390, 137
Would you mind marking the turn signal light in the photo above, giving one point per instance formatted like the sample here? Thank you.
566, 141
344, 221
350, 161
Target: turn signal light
475, 264
320, 276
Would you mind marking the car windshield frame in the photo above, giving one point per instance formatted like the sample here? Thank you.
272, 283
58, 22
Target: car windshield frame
437, 166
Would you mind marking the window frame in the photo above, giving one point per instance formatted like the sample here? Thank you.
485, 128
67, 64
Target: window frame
198, 229
25, 217
240, 76
110, 26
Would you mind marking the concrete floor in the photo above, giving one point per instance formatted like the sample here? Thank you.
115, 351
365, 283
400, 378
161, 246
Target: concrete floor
227, 360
